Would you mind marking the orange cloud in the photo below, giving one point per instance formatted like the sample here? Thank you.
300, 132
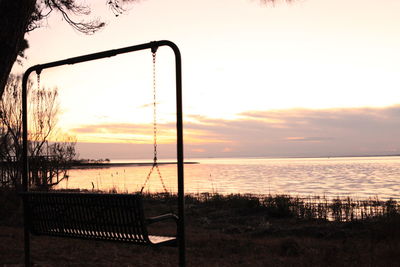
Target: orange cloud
308, 139
293, 132
143, 133
198, 150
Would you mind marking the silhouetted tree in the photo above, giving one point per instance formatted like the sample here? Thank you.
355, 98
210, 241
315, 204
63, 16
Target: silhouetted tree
48, 161
18, 17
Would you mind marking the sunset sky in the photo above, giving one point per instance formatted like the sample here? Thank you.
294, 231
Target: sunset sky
308, 78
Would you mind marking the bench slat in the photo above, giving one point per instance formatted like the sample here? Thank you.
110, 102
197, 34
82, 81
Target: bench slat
112, 217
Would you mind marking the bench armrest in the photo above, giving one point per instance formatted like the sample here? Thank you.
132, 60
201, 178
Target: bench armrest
162, 218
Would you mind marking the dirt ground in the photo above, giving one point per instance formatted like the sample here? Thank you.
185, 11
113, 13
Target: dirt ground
222, 237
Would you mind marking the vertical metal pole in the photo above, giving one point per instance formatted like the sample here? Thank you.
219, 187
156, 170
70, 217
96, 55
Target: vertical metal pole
181, 191
25, 164
180, 157
179, 127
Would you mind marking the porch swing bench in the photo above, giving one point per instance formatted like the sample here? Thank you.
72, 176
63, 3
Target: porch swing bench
108, 217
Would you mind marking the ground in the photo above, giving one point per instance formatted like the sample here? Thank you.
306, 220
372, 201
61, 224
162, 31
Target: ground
218, 235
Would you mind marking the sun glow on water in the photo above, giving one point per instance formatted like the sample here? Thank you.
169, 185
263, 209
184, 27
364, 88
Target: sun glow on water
332, 177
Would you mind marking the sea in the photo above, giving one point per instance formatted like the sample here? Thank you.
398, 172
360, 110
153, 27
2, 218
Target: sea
356, 177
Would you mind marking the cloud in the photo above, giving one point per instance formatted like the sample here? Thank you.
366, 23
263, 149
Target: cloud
309, 132
149, 105
111, 128
292, 132
308, 139
198, 150
166, 132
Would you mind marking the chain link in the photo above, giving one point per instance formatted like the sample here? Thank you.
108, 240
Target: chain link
38, 80
38, 90
154, 107
155, 163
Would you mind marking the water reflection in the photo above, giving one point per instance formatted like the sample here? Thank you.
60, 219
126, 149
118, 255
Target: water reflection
358, 177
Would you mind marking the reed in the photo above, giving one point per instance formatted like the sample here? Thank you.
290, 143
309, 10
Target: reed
232, 230
338, 209
345, 209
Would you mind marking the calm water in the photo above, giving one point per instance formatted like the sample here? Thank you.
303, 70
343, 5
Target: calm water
360, 177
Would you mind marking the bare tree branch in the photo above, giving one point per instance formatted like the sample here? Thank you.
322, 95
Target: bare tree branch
67, 8
48, 161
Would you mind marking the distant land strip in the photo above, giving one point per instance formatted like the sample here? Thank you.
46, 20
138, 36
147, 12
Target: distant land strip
93, 165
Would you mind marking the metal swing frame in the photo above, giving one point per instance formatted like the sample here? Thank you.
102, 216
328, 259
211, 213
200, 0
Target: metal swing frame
179, 130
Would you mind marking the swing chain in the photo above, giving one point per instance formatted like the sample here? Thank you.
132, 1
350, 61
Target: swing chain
38, 79
155, 164
154, 108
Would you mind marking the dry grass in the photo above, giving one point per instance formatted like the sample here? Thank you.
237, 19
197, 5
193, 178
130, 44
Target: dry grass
221, 231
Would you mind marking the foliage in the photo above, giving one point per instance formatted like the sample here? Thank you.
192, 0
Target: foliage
301, 208
67, 8
92, 161
50, 153
22, 16
215, 240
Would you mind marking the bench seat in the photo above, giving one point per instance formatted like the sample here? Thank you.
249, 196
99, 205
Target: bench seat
110, 217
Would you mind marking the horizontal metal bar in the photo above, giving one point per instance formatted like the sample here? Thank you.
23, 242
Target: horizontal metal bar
99, 55
180, 158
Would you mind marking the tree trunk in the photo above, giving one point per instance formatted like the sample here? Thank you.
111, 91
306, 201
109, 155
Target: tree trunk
15, 16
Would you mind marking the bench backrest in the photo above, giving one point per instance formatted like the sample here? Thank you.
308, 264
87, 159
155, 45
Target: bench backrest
117, 217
